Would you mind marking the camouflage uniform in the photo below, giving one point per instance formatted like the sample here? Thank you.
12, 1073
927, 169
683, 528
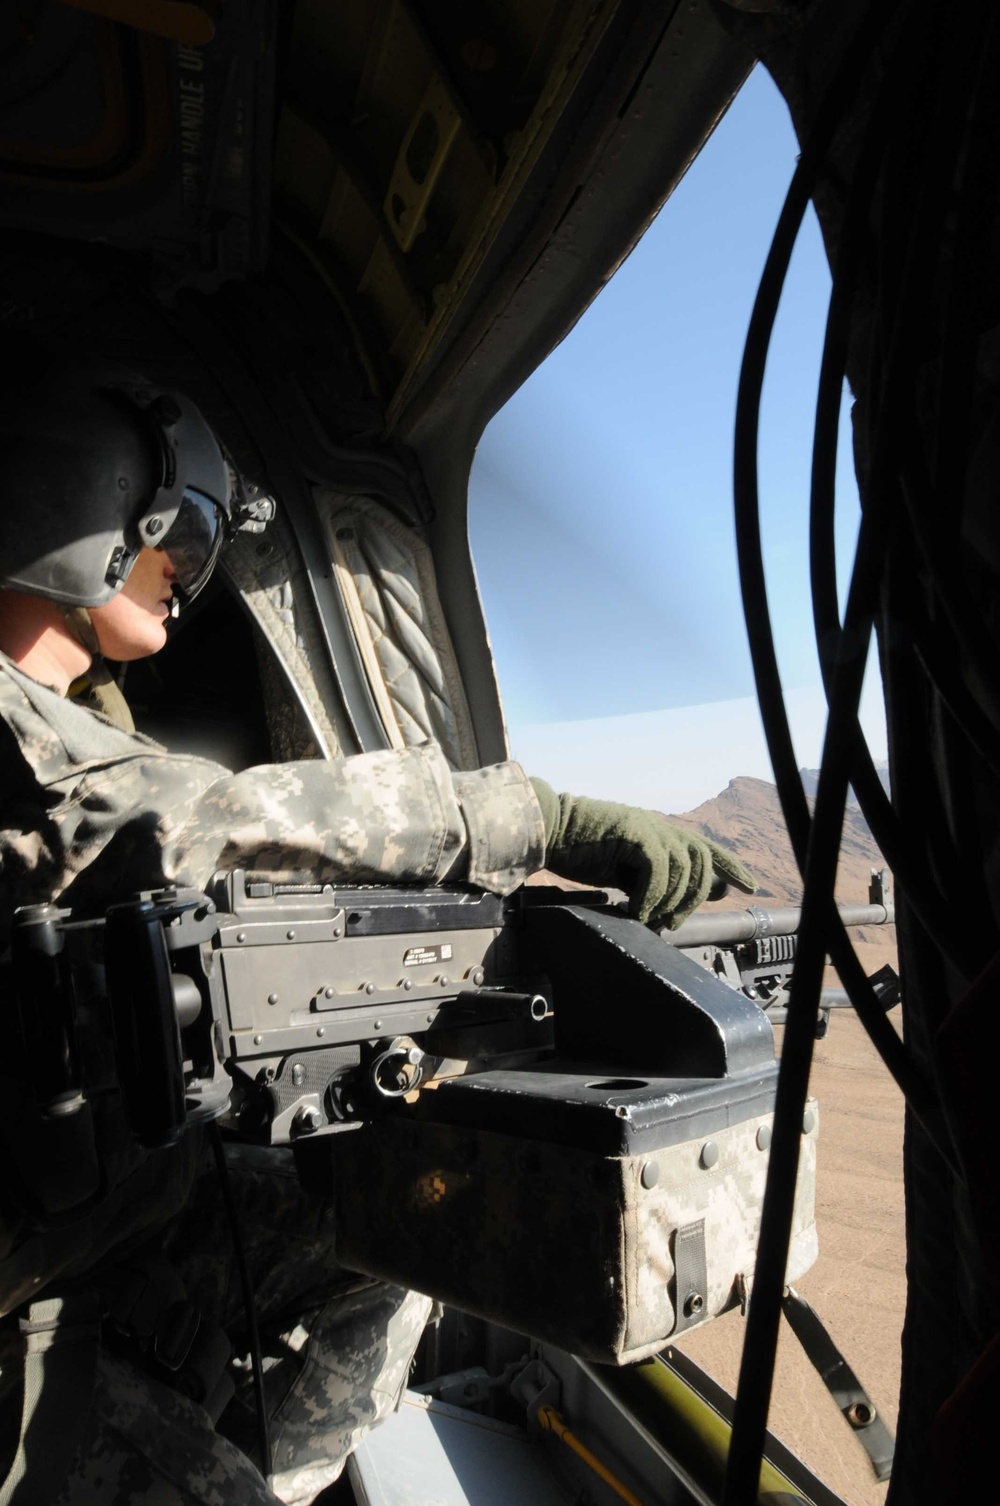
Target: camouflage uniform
91, 814
337, 1350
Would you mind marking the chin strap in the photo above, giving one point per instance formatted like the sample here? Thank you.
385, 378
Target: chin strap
96, 689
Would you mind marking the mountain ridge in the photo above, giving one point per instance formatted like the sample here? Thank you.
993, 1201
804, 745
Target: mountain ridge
746, 818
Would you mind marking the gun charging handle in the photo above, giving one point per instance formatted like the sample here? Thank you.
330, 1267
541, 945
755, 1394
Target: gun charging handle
397, 1069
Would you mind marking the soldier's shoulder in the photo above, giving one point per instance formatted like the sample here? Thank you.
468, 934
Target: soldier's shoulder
33, 735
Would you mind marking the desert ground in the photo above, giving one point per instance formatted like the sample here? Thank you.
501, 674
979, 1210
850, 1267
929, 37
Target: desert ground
858, 1285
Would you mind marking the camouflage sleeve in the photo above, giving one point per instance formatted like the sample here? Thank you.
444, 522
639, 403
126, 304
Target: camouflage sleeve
376, 818
506, 834
90, 813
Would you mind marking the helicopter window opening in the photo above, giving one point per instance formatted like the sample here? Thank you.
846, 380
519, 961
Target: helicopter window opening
385, 575
600, 501
600, 514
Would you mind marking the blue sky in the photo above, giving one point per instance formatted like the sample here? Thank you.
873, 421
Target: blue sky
601, 497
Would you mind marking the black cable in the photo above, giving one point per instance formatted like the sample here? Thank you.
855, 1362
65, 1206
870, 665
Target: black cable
937, 652
767, 678
917, 1088
882, 503
852, 250
971, 257
934, 911
941, 500
249, 1305
937, 655
975, 645
949, 632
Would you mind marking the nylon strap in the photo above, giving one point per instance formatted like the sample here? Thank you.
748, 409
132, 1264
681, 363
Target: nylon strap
145, 1305
61, 1336
841, 1382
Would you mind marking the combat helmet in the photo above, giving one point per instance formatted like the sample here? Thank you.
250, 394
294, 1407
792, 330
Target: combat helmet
95, 463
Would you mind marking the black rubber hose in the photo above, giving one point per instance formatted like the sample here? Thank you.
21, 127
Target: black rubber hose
941, 501
934, 911
766, 675
882, 502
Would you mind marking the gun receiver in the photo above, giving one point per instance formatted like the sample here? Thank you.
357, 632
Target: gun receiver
295, 1009
304, 1009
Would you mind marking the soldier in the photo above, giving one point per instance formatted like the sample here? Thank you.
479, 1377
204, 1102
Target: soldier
117, 502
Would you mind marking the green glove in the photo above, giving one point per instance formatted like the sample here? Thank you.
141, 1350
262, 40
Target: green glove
665, 871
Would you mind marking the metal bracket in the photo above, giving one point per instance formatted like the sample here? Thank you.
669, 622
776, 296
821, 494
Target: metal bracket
841, 1382
690, 1276
460, 1388
536, 1386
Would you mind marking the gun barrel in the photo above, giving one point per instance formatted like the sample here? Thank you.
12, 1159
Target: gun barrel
727, 926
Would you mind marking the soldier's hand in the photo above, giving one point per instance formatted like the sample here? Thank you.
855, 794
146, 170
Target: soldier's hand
665, 871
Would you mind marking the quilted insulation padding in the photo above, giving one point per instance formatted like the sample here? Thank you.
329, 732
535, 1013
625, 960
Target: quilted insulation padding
386, 577
269, 572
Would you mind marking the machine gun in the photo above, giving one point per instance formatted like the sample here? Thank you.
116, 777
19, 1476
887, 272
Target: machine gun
534, 1108
291, 1009
754, 950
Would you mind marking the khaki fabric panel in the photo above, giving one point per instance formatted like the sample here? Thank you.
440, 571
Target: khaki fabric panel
729, 1197
386, 577
267, 570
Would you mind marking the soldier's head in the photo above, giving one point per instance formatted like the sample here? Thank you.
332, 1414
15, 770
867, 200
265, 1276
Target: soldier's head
114, 497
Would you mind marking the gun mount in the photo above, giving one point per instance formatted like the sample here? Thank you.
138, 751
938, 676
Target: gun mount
539, 1111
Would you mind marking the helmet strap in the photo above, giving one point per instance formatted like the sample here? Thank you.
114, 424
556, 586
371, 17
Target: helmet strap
97, 688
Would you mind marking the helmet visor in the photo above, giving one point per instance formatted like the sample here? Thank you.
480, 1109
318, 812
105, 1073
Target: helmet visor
193, 540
